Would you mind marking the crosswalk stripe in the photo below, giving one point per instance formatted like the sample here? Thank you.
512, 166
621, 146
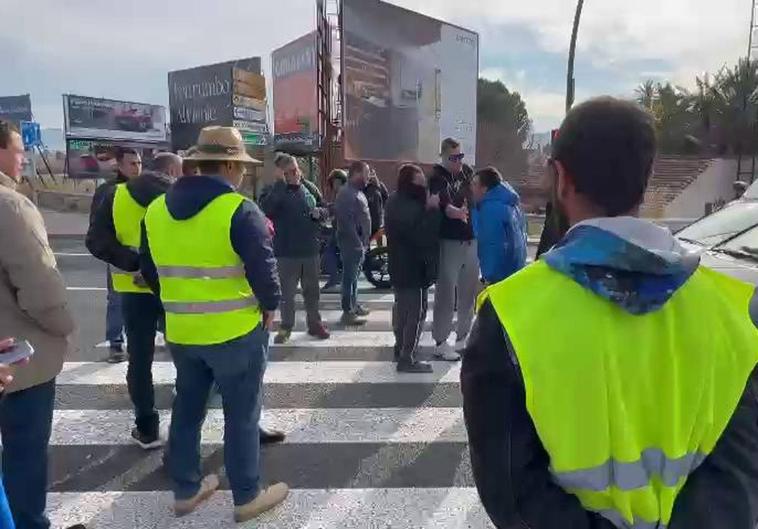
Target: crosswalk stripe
354, 508
324, 425
328, 372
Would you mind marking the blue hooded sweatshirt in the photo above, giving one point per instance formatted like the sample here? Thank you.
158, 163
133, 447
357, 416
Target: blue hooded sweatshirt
500, 230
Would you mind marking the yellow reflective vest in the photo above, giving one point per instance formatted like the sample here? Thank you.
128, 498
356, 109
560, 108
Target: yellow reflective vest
627, 406
127, 219
204, 291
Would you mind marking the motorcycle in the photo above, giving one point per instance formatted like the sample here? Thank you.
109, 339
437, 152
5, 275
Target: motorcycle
375, 264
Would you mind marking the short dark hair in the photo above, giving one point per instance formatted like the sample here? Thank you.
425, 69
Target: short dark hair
123, 151
210, 167
489, 177
405, 176
6, 130
336, 174
608, 146
356, 167
449, 144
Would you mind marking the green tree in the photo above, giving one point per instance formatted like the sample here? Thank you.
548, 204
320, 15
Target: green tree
503, 129
737, 111
646, 94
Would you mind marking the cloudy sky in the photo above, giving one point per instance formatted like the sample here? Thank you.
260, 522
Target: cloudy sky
123, 50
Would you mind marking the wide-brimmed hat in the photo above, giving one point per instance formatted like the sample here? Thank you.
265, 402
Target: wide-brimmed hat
220, 143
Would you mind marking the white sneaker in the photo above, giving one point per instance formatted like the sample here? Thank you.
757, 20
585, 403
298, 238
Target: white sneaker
445, 352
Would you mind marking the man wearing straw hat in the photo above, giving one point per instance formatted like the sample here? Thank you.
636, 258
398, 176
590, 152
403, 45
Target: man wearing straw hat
207, 252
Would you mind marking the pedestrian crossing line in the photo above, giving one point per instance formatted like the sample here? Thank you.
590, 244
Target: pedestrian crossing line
352, 508
327, 372
314, 425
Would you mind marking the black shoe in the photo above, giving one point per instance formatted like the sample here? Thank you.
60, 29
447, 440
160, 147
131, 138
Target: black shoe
117, 354
147, 442
362, 311
348, 318
414, 367
77, 526
271, 436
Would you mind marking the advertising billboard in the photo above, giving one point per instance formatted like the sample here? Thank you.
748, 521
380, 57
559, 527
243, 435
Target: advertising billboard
16, 109
108, 119
96, 158
295, 95
216, 94
409, 81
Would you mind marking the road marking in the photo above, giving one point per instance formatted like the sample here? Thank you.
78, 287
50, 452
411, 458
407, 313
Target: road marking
307, 425
326, 372
423, 508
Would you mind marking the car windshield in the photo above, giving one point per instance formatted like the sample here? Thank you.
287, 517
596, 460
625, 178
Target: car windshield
744, 246
722, 225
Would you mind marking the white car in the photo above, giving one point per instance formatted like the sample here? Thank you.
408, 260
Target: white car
728, 238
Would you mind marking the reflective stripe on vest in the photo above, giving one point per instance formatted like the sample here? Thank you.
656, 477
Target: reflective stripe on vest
204, 290
628, 406
127, 219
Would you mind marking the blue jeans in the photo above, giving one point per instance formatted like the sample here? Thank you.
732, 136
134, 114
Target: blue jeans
332, 261
237, 367
114, 320
352, 260
26, 419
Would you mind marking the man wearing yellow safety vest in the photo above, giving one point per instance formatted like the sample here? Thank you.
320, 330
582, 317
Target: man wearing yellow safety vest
207, 251
114, 237
612, 383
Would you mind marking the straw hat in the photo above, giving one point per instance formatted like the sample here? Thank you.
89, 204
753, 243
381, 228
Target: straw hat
222, 144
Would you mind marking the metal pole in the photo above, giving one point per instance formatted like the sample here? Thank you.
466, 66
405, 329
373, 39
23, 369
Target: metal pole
570, 82
752, 27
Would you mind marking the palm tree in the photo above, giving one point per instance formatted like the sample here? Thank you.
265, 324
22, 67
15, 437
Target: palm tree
738, 93
646, 94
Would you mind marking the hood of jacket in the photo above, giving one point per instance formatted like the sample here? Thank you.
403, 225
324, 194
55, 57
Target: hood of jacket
631, 262
189, 195
503, 194
148, 186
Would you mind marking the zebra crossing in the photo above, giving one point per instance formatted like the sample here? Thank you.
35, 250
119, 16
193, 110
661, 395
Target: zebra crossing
366, 447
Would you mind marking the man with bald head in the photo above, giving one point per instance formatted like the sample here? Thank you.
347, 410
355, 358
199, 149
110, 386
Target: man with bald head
114, 237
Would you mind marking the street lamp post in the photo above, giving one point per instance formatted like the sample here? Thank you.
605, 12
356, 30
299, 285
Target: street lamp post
570, 82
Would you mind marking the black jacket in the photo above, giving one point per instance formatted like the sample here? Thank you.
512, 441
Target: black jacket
101, 238
297, 212
511, 467
555, 228
413, 242
455, 190
248, 234
376, 196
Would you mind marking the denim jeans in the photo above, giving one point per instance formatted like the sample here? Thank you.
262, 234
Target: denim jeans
114, 320
352, 260
142, 314
26, 419
237, 367
332, 261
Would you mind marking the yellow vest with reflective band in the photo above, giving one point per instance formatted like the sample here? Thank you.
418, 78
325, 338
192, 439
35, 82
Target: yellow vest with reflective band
127, 219
627, 406
204, 291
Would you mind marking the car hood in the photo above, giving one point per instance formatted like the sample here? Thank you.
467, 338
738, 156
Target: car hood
742, 269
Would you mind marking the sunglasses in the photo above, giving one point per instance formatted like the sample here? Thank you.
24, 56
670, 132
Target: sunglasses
456, 157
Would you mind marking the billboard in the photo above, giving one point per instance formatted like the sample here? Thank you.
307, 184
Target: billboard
295, 95
108, 119
409, 81
96, 158
216, 94
16, 109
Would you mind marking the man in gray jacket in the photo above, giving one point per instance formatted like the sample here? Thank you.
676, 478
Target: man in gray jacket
33, 308
353, 220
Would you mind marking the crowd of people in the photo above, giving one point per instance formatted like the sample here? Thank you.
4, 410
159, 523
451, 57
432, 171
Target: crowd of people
627, 412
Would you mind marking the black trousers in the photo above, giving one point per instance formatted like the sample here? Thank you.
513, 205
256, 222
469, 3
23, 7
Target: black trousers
408, 318
142, 314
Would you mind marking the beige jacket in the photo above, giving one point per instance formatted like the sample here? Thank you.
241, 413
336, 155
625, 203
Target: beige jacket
32, 294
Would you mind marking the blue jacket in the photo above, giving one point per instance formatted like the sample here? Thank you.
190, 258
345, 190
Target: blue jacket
500, 230
6, 519
248, 233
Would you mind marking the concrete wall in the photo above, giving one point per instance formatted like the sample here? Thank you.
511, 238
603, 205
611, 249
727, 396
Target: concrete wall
713, 184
